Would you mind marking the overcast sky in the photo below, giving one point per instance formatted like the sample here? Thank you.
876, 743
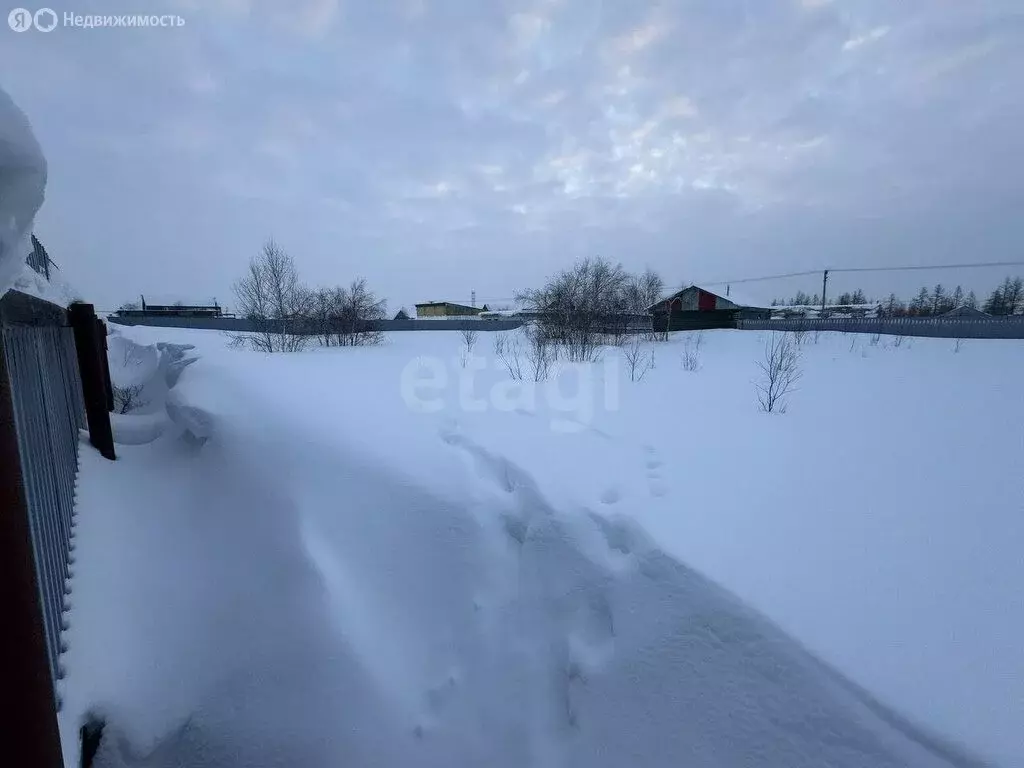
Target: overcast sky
442, 146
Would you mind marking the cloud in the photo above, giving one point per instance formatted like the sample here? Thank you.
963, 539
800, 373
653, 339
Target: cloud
870, 36
532, 130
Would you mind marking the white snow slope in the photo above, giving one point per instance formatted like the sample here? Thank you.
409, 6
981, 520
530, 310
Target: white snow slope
326, 559
22, 182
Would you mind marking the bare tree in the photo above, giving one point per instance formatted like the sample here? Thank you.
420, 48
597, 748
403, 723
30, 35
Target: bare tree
355, 311
690, 356
578, 305
321, 313
469, 337
780, 371
638, 361
271, 296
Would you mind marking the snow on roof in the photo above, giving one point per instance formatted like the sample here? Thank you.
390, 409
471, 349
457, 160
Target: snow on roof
739, 298
966, 312
170, 299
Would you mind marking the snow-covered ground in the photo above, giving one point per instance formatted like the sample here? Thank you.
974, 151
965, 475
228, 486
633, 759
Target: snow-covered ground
367, 557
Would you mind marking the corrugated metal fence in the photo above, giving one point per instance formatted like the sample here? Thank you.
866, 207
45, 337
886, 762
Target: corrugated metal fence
52, 366
48, 411
1008, 327
242, 325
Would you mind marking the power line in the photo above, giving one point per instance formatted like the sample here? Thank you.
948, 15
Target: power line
943, 266
770, 277
870, 269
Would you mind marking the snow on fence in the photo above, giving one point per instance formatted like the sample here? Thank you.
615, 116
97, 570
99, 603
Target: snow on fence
1005, 327
46, 355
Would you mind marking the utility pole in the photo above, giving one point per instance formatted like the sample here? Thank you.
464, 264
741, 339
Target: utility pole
727, 287
824, 288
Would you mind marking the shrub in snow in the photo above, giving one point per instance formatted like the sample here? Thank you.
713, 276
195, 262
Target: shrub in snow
128, 398
638, 360
780, 371
580, 307
469, 337
690, 356
507, 350
344, 316
541, 353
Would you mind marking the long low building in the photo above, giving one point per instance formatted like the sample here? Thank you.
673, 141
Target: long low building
447, 309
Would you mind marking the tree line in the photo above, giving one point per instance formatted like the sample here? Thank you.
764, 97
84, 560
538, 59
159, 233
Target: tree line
1006, 299
808, 300
286, 314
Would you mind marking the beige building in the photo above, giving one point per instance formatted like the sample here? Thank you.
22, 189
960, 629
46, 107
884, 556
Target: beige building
446, 309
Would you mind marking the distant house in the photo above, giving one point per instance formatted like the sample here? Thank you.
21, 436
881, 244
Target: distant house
402, 315
446, 309
697, 299
178, 309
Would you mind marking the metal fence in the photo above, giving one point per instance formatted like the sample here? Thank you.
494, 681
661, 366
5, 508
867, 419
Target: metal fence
51, 385
48, 411
242, 325
1006, 327
38, 345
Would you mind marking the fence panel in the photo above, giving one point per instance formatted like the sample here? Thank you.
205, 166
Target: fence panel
48, 412
1008, 327
41, 412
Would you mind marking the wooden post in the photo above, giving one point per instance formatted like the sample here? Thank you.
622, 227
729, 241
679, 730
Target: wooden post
28, 709
91, 365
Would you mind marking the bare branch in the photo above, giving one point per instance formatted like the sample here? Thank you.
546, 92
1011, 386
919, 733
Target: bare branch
780, 371
128, 398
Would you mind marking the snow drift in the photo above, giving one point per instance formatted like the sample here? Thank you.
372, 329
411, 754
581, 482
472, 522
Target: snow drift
22, 184
293, 589
143, 376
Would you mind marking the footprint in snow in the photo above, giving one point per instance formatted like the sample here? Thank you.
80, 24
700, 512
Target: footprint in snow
611, 496
653, 464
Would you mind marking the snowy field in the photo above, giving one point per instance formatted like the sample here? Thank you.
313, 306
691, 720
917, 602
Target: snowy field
369, 557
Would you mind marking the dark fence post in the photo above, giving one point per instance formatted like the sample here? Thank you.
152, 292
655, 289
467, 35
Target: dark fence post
92, 363
28, 708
